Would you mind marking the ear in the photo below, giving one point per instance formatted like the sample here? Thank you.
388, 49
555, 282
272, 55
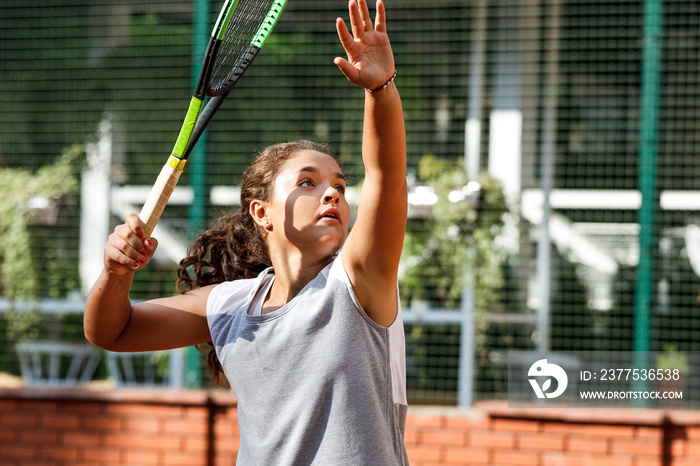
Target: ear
258, 210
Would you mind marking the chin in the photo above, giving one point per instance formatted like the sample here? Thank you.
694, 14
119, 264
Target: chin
333, 245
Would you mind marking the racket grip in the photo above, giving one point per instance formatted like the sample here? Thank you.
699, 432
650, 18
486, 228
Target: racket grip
158, 197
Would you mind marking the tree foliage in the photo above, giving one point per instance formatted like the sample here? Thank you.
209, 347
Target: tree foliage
457, 242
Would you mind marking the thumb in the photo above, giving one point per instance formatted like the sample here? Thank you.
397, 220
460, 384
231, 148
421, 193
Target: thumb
347, 69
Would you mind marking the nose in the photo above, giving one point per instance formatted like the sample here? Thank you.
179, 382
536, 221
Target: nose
331, 195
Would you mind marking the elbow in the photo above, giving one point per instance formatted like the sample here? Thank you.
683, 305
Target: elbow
97, 340
97, 335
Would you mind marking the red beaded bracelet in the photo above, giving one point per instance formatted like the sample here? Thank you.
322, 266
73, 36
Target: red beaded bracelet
386, 84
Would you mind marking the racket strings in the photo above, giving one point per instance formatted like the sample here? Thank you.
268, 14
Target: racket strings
237, 42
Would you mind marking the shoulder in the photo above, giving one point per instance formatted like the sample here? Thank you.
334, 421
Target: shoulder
228, 296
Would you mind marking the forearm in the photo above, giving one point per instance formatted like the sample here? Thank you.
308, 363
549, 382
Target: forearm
107, 309
384, 137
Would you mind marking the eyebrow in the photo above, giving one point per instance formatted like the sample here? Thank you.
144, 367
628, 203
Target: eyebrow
315, 170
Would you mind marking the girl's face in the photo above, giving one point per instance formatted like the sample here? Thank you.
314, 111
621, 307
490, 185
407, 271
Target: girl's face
308, 208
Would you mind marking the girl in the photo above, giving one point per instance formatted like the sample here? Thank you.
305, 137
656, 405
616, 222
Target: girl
309, 335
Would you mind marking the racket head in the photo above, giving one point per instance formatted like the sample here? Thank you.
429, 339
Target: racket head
239, 34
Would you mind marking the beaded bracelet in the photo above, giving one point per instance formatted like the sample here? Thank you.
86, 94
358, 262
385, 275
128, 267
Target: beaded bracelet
386, 84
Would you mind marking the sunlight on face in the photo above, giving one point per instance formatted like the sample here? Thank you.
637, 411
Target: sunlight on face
308, 209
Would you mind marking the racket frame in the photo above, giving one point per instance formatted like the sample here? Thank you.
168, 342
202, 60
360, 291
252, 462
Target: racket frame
194, 125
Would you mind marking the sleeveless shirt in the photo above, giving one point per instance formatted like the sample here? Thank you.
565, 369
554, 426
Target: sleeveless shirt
317, 381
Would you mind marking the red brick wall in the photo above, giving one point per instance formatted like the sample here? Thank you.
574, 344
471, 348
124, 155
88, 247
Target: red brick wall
192, 428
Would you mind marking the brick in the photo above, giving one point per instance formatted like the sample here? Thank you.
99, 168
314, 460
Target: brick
424, 420
676, 432
41, 437
41, 406
647, 462
481, 423
61, 420
9, 405
86, 408
515, 425
15, 451
195, 414
588, 444
692, 448
184, 459
142, 458
540, 441
684, 462
135, 440
444, 437
196, 444
598, 460
608, 431
231, 449
140, 410
230, 446
8, 434
227, 414
151, 425
104, 423
180, 426
565, 459
423, 453
637, 446
562, 428
226, 429
466, 455
412, 436
101, 455
225, 460
492, 439
649, 432
64, 454
19, 419
82, 438
677, 447
516, 458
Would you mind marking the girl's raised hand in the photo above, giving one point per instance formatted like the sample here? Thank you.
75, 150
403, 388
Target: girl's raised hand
126, 250
370, 60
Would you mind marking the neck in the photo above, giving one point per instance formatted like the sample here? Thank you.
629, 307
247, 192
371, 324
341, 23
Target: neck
292, 274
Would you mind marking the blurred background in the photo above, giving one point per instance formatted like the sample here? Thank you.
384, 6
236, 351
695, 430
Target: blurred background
551, 156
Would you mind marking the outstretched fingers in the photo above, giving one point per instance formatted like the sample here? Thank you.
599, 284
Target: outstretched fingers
346, 39
356, 20
364, 13
380, 18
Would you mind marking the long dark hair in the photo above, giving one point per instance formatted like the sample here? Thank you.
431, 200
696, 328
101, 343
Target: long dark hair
235, 246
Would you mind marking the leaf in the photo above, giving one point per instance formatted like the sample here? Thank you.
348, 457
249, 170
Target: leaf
546, 385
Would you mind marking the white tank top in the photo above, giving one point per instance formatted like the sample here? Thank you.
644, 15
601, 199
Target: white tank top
317, 381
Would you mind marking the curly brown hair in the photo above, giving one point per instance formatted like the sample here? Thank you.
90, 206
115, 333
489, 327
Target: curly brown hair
235, 247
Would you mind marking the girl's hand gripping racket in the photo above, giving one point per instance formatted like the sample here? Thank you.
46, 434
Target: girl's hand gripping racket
238, 35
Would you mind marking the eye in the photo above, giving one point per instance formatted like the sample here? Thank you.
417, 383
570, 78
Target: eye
340, 188
307, 183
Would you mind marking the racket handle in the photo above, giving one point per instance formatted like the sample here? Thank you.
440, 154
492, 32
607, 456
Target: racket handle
159, 195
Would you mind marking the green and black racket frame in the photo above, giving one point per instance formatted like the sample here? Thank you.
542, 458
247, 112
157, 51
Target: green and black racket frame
240, 31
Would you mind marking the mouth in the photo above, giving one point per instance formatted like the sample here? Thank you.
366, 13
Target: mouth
331, 214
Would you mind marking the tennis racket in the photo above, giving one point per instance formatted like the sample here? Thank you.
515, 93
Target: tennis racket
239, 33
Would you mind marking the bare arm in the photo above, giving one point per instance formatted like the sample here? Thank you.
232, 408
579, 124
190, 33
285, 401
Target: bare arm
373, 250
112, 322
